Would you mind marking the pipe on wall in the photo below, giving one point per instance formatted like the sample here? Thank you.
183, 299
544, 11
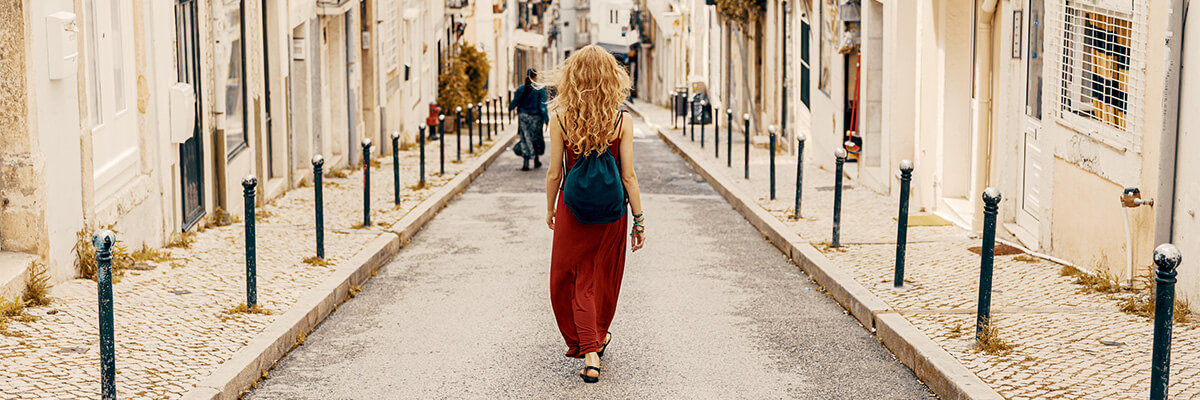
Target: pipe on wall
981, 103
1169, 141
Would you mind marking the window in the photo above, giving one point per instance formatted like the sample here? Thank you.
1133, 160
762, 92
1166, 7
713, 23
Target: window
390, 36
805, 32
1098, 65
1035, 59
235, 82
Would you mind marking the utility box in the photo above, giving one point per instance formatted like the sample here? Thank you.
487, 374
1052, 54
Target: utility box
701, 109
62, 39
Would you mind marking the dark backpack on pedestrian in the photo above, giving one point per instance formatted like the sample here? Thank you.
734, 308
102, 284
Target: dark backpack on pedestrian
593, 189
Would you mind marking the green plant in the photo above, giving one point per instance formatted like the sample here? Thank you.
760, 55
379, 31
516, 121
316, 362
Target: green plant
37, 285
477, 69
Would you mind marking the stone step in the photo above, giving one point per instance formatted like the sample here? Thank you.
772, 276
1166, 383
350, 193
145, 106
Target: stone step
14, 267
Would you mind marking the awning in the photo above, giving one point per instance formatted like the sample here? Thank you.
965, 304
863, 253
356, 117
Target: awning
615, 48
334, 7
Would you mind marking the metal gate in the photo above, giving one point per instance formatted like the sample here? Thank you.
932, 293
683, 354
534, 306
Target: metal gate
191, 152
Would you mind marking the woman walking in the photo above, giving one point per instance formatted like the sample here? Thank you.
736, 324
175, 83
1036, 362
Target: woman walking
530, 103
587, 207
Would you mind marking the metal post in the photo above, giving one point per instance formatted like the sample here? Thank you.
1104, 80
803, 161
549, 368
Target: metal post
103, 241
1167, 258
692, 121
366, 156
396, 165
906, 168
495, 121
991, 207
839, 163
487, 117
441, 144
319, 203
421, 155
458, 133
717, 135
702, 104
746, 157
729, 137
774, 130
501, 111
800, 138
470, 129
248, 184
481, 116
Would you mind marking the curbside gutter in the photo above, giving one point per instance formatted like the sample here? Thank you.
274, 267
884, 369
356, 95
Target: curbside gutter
940, 371
243, 370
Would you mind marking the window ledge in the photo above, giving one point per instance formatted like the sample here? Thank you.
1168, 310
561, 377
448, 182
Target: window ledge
1120, 141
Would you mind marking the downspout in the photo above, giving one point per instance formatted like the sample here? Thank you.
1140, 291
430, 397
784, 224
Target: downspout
981, 102
1164, 212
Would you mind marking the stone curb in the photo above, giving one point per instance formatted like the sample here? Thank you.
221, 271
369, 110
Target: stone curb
940, 371
243, 370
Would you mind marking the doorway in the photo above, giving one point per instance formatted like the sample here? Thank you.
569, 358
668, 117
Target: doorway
191, 151
1030, 164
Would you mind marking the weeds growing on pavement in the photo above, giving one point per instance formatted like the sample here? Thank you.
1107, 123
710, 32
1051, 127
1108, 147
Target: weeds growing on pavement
37, 286
1142, 305
13, 310
989, 341
181, 240
146, 253
956, 330
1025, 258
242, 309
85, 256
316, 261
336, 173
221, 218
827, 246
1099, 282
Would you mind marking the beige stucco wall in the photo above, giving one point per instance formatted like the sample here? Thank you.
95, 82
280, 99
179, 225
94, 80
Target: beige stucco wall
20, 178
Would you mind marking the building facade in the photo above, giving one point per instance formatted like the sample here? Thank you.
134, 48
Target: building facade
145, 115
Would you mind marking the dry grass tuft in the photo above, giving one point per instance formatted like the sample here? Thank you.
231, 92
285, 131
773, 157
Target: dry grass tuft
990, 342
242, 309
316, 261
827, 246
1100, 282
221, 218
336, 174
13, 310
181, 240
37, 286
1143, 306
1026, 258
85, 256
146, 253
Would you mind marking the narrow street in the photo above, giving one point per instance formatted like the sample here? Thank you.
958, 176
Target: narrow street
708, 310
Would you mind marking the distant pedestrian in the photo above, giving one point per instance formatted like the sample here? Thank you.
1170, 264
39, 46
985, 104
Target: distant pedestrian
530, 103
598, 191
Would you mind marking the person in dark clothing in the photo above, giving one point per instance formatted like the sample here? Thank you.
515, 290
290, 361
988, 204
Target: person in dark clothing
530, 103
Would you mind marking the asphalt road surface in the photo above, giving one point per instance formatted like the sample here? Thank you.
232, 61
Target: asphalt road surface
708, 309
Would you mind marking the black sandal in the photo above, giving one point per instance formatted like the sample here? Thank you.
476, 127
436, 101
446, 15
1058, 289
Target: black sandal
604, 346
588, 379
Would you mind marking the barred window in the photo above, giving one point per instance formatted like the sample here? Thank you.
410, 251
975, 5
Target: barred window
1099, 66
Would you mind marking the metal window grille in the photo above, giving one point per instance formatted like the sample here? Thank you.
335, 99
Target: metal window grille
1097, 66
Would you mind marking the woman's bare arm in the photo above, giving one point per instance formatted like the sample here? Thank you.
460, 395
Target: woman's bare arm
629, 178
554, 174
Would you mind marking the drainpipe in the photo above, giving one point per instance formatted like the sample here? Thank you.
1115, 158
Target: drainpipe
1167, 153
981, 129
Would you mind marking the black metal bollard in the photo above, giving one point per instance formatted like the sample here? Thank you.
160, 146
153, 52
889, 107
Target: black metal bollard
717, 135
729, 137
481, 116
500, 111
702, 104
746, 156
495, 121
470, 129
987, 254
692, 123
442, 144
1167, 258
458, 133
839, 156
774, 131
248, 184
366, 159
421, 156
103, 241
318, 163
800, 138
906, 168
396, 165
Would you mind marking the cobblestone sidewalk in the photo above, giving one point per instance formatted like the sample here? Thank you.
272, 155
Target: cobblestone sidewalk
172, 322
1068, 343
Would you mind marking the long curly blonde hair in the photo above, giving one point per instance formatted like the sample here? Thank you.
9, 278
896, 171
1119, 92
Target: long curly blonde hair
590, 89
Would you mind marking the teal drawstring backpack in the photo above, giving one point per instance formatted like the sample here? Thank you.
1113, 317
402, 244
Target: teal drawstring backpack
593, 189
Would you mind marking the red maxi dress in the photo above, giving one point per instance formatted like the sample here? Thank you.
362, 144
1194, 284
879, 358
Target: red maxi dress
586, 264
